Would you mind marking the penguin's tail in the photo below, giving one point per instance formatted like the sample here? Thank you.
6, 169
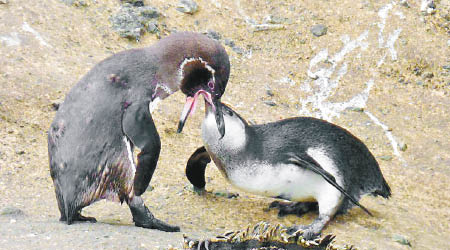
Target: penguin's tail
384, 191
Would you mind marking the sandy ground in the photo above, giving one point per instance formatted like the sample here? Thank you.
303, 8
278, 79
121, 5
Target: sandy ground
381, 71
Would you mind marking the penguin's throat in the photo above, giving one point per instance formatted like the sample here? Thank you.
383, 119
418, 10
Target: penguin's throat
234, 140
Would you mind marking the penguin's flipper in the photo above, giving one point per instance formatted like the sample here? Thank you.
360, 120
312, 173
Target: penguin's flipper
138, 126
307, 162
196, 166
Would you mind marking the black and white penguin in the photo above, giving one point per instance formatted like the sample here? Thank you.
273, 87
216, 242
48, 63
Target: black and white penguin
108, 112
310, 161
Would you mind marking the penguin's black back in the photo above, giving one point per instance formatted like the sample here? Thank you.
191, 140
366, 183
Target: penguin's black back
358, 167
86, 134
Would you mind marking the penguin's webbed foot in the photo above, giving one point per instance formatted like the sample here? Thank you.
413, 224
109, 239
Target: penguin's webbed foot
79, 217
312, 230
142, 217
153, 223
297, 208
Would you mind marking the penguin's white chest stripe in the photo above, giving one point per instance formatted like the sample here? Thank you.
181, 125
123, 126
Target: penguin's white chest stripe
320, 155
153, 104
129, 153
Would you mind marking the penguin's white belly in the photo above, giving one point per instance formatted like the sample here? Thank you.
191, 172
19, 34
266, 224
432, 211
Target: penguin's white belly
282, 180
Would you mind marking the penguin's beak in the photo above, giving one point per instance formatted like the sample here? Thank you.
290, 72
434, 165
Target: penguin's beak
190, 105
219, 117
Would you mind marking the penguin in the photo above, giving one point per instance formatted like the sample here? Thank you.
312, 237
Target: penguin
108, 113
314, 164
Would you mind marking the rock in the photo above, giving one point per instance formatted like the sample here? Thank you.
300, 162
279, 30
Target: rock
355, 109
270, 103
13, 211
20, 152
319, 30
230, 43
420, 83
274, 19
187, 7
131, 22
152, 27
269, 92
404, 3
266, 26
136, 3
428, 75
401, 239
428, 7
4, 1
446, 67
226, 194
55, 105
77, 3
402, 146
238, 50
214, 35
386, 157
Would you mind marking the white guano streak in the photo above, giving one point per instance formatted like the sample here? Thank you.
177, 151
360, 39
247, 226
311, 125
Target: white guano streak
322, 79
28, 28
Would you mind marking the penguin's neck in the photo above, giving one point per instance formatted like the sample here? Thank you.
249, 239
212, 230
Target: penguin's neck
234, 140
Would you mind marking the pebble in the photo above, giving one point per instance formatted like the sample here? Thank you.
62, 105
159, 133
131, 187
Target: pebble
187, 7
214, 35
20, 152
270, 103
319, 30
428, 75
428, 7
4, 1
226, 194
401, 239
446, 67
266, 26
386, 157
402, 146
152, 27
404, 3
136, 3
11, 211
55, 105
77, 3
355, 109
274, 19
238, 50
230, 43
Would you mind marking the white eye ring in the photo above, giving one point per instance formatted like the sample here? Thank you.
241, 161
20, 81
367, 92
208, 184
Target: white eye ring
211, 84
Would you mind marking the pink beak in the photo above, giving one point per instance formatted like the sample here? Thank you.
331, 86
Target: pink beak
190, 105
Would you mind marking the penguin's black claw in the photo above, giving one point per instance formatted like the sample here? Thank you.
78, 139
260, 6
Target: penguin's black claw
307, 232
80, 217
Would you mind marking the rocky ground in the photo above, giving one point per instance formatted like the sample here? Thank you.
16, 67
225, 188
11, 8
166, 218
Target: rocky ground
378, 68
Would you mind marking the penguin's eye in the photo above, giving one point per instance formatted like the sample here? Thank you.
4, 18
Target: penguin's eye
211, 85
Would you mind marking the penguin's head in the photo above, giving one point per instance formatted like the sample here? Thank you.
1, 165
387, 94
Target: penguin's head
235, 124
204, 73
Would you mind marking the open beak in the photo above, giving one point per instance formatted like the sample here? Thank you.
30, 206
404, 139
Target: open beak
189, 108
